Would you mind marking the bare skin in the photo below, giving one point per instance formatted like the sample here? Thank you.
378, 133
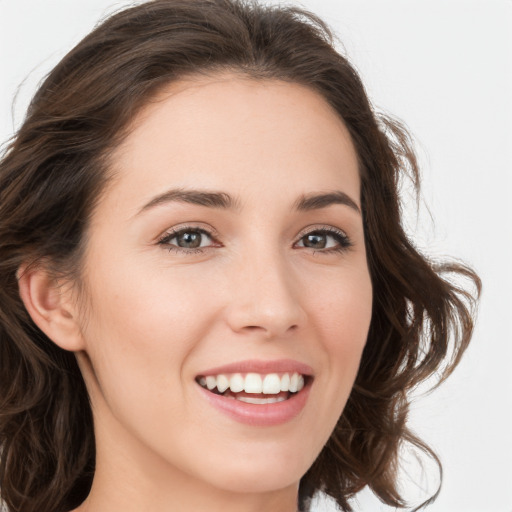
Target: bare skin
267, 282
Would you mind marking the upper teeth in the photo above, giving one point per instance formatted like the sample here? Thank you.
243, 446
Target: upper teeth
269, 384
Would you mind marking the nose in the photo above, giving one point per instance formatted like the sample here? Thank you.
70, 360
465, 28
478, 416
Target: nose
265, 298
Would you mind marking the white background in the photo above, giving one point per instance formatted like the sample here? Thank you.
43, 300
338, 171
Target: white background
445, 68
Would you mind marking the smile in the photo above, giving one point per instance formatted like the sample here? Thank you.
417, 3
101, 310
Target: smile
261, 396
254, 388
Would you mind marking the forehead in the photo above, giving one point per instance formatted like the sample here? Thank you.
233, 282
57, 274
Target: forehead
233, 131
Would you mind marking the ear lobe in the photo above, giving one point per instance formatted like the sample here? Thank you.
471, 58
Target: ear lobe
50, 305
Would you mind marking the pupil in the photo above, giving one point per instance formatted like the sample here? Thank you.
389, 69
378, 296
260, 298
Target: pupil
189, 240
316, 241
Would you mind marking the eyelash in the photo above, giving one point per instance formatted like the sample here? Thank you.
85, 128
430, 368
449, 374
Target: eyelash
343, 241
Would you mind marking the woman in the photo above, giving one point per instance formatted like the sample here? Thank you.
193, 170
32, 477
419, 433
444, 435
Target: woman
208, 301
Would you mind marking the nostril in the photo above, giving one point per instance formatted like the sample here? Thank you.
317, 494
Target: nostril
269, 331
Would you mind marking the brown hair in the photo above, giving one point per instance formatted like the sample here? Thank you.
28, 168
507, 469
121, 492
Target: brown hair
56, 166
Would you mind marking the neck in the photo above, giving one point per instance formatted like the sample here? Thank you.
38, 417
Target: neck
137, 479
186, 496
128, 501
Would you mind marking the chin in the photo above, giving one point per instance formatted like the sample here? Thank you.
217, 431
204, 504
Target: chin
258, 482
262, 472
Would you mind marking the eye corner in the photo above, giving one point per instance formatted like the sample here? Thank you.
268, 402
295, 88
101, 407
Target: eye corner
343, 241
164, 240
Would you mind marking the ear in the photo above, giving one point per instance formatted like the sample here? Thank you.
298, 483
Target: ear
51, 306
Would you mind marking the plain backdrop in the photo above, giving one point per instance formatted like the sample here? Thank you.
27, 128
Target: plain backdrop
445, 68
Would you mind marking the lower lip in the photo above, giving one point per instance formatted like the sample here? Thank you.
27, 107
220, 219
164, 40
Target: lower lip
259, 414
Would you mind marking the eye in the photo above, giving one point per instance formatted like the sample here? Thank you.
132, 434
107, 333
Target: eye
187, 239
325, 240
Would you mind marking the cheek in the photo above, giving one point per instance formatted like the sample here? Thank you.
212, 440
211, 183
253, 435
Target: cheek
141, 329
343, 311
148, 307
342, 320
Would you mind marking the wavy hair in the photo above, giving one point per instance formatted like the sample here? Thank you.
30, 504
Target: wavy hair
52, 174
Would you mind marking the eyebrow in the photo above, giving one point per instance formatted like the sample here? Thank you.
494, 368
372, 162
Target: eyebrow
316, 201
222, 200
206, 198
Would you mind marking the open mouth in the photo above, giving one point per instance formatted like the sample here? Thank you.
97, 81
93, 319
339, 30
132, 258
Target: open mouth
255, 388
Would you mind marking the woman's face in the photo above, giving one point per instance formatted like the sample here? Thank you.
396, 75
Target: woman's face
230, 241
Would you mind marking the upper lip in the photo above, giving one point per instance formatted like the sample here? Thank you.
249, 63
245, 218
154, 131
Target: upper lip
261, 366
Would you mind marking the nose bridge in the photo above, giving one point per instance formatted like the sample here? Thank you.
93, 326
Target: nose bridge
265, 296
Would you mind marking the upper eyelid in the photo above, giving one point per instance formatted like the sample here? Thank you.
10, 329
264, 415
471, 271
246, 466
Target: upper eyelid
327, 228
212, 231
213, 234
172, 232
